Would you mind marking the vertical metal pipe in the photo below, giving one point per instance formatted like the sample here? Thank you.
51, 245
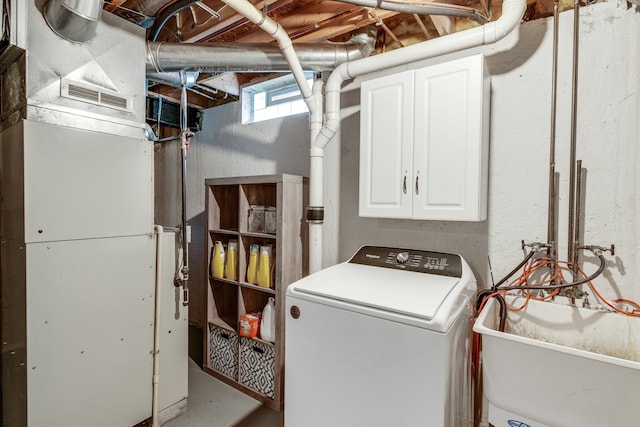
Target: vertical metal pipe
576, 238
184, 146
572, 157
552, 237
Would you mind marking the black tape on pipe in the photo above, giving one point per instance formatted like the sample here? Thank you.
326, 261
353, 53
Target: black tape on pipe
315, 214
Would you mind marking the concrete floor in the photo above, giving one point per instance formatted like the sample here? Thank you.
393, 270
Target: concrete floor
212, 403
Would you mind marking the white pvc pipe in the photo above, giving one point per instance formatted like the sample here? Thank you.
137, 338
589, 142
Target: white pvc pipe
274, 29
313, 100
512, 11
156, 328
315, 192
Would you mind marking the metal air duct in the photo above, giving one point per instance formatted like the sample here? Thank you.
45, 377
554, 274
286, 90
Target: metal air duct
73, 20
171, 57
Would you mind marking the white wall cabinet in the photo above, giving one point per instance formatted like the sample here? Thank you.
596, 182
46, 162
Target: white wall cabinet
424, 143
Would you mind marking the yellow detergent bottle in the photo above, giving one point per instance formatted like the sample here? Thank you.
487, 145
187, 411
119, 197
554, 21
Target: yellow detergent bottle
230, 266
252, 269
264, 268
217, 264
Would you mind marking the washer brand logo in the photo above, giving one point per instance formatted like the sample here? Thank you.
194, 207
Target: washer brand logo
514, 423
374, 256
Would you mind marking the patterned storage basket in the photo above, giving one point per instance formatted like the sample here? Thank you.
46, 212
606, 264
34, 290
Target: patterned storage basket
257, 361
223, 351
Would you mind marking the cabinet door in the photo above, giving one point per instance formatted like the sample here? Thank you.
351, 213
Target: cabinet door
386, 134
450, 141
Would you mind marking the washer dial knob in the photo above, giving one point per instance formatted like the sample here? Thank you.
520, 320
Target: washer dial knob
402, 257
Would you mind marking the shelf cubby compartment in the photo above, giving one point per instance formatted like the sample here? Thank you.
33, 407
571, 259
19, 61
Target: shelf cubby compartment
252, 300
223, 351
223, 304
225, 238
257, 366
264, 195
223, 207
248, 239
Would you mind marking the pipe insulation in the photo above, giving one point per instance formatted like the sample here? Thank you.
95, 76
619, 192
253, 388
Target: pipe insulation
221, 57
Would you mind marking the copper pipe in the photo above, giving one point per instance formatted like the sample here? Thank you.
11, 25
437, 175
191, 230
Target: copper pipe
572, 157
388, 31
552, 232
422, 26
576, 240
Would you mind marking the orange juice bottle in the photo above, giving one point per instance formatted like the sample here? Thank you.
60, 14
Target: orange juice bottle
252, 268
264, 267
230, 266
217, 263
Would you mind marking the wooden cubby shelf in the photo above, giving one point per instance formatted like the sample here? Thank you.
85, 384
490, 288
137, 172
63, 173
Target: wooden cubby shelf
263, 210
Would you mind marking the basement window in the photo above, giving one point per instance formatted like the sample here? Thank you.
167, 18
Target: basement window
279, 97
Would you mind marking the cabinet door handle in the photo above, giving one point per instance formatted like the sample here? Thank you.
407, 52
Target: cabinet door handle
404, 185
417, 185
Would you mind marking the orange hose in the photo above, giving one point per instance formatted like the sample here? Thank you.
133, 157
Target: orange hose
534, 265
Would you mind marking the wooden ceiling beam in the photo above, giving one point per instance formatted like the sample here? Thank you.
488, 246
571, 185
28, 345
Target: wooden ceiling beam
344, 26
231, 21
305, 20
113, 5
444, 24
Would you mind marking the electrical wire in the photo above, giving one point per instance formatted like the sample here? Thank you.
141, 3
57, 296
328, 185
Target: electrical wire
528, 286
564, 285
518, 267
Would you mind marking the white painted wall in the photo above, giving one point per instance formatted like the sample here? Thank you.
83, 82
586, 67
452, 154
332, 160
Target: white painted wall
607, 138
608, 134
224, 148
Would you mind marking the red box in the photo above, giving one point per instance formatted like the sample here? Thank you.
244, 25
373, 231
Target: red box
249, 325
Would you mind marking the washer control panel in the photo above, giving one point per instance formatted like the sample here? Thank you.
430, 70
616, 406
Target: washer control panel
439, 263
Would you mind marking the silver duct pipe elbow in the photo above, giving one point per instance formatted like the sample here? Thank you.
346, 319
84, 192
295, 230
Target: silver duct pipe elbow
176, 78
220, 57
73, 20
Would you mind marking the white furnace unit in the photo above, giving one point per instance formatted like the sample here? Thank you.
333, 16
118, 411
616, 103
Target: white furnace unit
77, 245
381, 340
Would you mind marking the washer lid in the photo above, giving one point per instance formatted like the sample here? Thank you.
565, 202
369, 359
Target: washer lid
399, 291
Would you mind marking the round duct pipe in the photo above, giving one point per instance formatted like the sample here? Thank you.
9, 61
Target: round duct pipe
73, 20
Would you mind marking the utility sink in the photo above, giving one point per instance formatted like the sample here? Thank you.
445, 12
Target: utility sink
561, 365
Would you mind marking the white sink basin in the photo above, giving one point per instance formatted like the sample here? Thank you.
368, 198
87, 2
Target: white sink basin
562, 365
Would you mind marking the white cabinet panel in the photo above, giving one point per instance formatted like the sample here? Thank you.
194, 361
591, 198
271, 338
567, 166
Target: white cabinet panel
449, 142
81, 184
435, 122
385, 152
174, 334
90, 331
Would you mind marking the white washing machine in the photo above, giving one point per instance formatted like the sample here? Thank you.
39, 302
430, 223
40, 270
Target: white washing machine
381, 340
